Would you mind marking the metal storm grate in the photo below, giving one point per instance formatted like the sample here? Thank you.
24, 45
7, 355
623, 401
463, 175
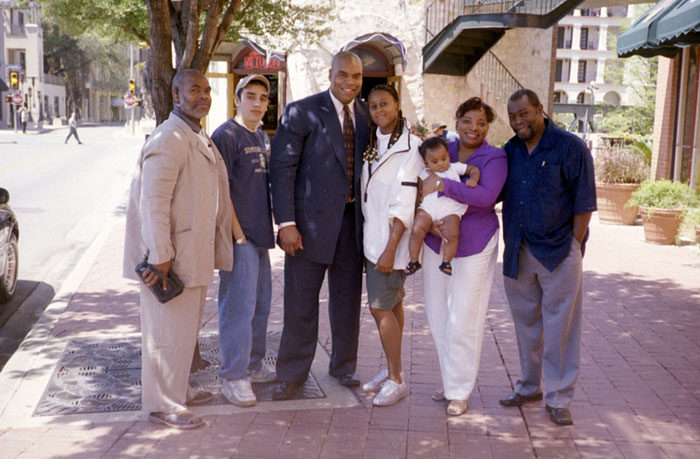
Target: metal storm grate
104, 375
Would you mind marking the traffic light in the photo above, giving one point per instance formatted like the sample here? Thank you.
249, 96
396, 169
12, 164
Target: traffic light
14, 80
8, 99
132, 86
138, 103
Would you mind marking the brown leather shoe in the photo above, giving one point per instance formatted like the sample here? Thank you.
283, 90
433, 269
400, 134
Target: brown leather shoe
286, 390
200, 398
515, 399
347, 380
560, 416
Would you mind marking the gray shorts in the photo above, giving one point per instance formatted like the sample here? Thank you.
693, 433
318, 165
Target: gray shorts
384, 290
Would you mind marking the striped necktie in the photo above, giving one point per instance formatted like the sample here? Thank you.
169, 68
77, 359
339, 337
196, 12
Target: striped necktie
349, 144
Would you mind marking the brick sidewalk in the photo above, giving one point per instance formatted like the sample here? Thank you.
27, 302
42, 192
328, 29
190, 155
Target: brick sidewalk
638, 395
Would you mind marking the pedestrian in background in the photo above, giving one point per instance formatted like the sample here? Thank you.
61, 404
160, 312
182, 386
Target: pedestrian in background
179, 217
73, 126
456, 305
245, 293
389, 187
315, 171
24, 117
548, 200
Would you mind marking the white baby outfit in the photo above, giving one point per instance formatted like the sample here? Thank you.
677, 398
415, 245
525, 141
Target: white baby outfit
440, 207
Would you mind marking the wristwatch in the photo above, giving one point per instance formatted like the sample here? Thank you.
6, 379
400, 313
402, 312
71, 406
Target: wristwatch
240, 241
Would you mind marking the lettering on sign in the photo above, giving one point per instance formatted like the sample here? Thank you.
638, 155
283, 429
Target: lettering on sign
256, 61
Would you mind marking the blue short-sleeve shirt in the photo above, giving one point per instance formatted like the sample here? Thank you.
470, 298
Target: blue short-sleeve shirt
543, 192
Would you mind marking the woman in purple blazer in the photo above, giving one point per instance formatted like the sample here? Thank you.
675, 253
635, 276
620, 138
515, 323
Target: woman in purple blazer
456, 305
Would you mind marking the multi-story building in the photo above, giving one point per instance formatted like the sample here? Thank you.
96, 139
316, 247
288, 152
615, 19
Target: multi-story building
588, 70
23, 52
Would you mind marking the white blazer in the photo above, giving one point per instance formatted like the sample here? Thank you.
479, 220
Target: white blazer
389, 188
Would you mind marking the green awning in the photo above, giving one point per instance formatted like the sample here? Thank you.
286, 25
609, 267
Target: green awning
640, 37
681, 26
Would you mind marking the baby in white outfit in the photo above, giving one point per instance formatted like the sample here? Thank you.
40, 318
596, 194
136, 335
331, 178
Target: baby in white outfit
432, 208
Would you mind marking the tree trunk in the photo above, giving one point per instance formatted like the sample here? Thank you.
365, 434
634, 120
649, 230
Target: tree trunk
161, 58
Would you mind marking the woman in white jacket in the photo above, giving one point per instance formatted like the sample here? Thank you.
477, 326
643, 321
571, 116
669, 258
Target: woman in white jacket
389, 187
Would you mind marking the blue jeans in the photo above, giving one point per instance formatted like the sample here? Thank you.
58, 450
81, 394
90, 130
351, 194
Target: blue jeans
244, 306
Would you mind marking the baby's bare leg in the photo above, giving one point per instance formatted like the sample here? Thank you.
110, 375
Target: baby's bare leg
450, 229
421, 225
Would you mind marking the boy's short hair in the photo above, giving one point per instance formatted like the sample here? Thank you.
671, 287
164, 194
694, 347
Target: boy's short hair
431, 143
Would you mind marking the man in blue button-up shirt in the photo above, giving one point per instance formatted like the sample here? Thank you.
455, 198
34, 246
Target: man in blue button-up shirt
547, 204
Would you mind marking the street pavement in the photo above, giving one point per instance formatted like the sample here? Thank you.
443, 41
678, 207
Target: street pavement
62, 194
638, 395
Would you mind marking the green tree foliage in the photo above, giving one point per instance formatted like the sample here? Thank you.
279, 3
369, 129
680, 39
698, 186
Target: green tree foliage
72, 57
194, 28
636, 121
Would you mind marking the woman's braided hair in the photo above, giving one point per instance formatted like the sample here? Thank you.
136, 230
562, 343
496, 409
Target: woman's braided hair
371, 153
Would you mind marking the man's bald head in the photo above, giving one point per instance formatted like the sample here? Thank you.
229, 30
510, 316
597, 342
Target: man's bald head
344, 56
346, 76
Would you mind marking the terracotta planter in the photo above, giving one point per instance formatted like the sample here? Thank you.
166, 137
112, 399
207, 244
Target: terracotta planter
662, 225
612, 198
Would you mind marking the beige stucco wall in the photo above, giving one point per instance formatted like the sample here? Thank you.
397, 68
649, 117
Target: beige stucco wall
528, 55
308, 67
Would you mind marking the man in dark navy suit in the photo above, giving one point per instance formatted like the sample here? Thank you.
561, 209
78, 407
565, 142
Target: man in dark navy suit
315, 169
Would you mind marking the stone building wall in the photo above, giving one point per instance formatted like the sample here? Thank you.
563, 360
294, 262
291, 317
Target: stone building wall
308, 68
527, 53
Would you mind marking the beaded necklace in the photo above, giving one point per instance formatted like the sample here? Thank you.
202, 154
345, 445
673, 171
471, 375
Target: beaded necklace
371, 153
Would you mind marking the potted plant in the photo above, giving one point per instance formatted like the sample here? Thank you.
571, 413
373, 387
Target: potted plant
618, 171
663, 204
691, 224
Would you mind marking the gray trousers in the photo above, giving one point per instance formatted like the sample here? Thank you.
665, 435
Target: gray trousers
547, 309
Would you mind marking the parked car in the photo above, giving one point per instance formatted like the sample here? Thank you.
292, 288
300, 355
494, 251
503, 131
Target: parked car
9, 255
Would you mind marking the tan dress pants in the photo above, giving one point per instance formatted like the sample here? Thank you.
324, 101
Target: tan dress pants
168, 336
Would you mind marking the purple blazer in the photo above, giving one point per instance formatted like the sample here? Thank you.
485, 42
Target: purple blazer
480, 222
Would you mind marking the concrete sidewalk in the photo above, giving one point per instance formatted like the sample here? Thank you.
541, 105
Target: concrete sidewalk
638, 394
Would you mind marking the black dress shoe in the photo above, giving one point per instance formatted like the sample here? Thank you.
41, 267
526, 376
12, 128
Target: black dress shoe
347, 380
285, 390
560, 416
515, 399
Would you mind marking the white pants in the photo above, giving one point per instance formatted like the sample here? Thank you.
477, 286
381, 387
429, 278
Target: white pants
168, 337
456, 307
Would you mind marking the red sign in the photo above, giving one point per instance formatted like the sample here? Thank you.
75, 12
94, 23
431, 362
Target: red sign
17, 99
130, 100
256, 61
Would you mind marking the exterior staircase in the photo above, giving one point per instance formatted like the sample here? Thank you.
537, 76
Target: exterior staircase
459, 32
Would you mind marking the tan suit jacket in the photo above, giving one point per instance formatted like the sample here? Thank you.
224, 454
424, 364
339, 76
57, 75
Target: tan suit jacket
179, 206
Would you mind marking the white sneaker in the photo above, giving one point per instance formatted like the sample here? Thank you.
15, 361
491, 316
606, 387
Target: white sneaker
376, 383
238, 391
391, 393
264, 375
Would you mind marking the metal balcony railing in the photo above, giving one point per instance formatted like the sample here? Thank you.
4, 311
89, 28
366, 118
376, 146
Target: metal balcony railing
442, 12
17, 29
497, 78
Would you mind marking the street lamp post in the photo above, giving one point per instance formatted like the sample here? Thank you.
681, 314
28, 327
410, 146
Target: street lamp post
591, 88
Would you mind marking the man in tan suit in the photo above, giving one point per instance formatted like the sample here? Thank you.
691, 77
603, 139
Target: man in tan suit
179, 215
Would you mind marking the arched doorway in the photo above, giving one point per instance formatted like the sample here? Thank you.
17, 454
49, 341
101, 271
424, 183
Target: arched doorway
383, 60
253, 59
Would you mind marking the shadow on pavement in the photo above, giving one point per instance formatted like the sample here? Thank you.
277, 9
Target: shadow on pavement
19, 315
